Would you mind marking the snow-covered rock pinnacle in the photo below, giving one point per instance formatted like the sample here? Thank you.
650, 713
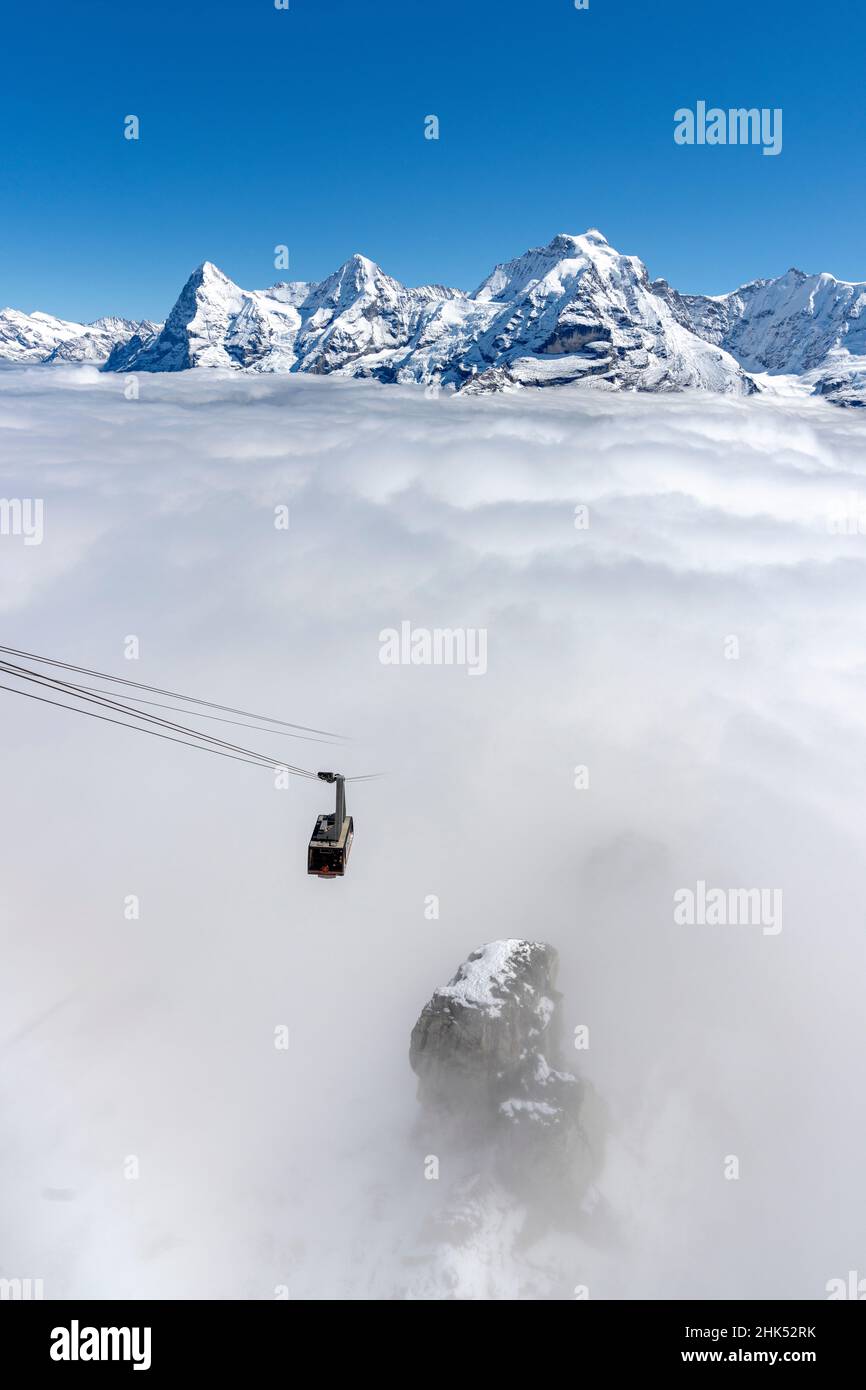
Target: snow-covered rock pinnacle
518, 1136
486, 1051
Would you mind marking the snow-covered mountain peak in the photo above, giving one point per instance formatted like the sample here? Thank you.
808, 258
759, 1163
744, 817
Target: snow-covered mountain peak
567, 244
111, 323
28, 338
208, 283
39, 337
355, 277
363, 265
207, 273
792, 325
563, 244
559, 262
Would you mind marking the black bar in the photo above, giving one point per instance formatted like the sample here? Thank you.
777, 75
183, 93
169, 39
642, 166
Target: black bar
220, 1339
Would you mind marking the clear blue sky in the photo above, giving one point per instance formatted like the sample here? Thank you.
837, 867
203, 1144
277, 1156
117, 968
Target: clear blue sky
305, 127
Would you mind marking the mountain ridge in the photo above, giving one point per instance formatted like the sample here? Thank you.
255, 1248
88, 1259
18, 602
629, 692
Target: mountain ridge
575, 311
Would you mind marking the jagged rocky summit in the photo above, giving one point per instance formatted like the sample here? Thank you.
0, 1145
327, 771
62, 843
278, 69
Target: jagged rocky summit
487, 1053
574, 312
495, 1188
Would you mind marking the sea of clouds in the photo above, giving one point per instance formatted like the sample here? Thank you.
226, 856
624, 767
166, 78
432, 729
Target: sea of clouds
608, 648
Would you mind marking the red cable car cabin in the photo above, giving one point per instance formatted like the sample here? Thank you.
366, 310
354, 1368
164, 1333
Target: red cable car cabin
332, 836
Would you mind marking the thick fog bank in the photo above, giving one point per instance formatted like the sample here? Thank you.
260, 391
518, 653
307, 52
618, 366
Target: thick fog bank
671, 592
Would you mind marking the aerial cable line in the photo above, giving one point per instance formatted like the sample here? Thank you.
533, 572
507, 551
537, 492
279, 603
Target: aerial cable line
137, 728
155, 690
76, 692
219, 719
59, 686
208, 741
118, 706
103, 700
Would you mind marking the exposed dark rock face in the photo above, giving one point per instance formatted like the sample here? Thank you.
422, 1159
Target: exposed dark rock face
486, 1050
478, 1031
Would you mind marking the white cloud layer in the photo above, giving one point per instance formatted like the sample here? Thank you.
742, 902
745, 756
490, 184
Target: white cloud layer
710, 519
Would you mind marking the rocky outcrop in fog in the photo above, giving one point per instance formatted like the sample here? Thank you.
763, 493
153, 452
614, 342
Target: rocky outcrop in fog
517, 1134
486, 1050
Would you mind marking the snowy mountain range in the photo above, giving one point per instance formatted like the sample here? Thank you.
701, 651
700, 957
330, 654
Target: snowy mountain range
574, 311
28, 338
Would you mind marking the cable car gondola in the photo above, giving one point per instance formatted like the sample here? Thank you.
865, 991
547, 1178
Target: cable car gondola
332, 835
331, 841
